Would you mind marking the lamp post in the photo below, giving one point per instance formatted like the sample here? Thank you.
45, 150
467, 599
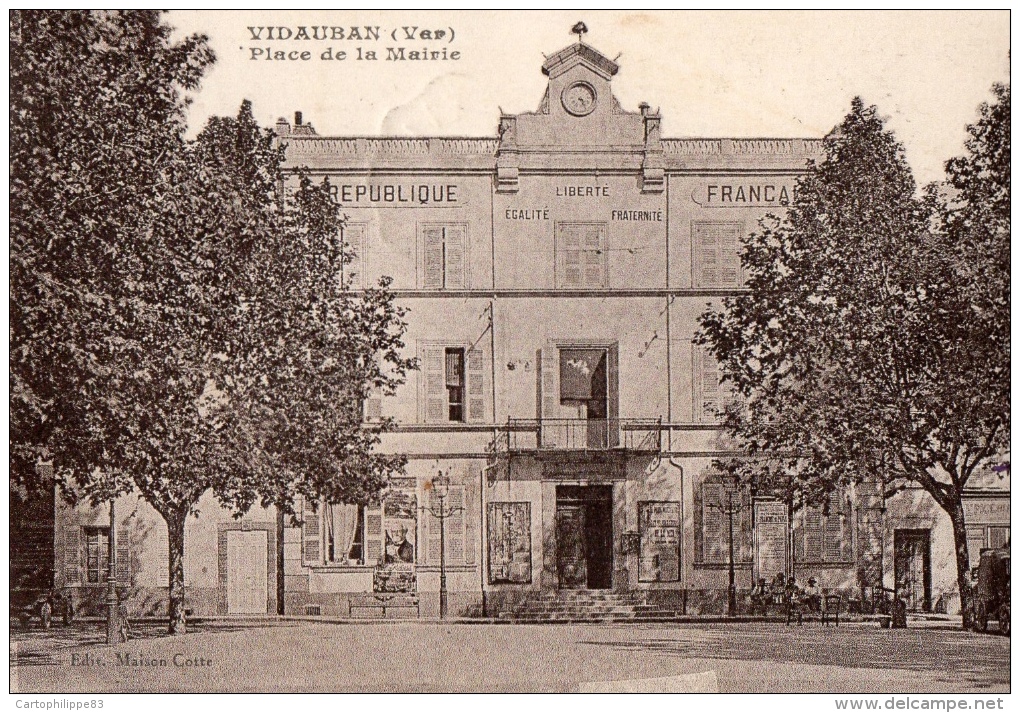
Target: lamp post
441, 488
729, 509
112, 609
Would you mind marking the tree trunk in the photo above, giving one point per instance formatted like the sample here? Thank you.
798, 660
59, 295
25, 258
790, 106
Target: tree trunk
175, 537
962, 564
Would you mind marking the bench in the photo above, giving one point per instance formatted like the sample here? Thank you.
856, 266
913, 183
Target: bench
383, 606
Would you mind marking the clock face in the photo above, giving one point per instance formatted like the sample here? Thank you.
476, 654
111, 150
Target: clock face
579, 98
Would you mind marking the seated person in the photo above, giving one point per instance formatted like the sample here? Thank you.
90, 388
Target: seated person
759, 595
813, 595
778, 588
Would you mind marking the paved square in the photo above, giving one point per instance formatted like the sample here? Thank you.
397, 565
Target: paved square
322, 656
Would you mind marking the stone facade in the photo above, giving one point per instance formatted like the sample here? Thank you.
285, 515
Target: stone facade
554, 275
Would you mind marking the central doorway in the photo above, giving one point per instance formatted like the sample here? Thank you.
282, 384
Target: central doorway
912, 564
584, 536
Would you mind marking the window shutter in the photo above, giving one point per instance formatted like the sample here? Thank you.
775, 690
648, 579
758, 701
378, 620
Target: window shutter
434, 373
729, 259
706, 256
812, 534
594, 256
311, 532
838, 537
744, 539
123, 555
373, 534
354, 238
975, 541
706, 391
549, 394
475, 385
454, 527
373, 408
716, 254
456, 257
471, 523
613, 394
997, 537
432, 260
72, 554
713, 535
570, 256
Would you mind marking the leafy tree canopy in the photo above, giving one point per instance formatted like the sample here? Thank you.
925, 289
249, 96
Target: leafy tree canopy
853, 353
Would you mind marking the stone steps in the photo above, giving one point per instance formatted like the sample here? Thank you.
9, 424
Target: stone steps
586, 607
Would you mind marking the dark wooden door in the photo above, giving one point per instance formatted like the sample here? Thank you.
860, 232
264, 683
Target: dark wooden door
912, 563
599, 543
571, 562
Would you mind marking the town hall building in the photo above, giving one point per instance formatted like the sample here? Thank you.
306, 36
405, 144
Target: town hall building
561, 430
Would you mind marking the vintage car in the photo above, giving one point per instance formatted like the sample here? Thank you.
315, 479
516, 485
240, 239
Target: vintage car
991, 595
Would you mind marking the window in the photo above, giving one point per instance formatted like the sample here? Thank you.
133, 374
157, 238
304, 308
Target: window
376, 535
453, 384
710, 396
825, 535
717, 501
980, 537
444, 257
578, 395
716, 260
581, 255
998, 536
345, 534
354, 241
97, 554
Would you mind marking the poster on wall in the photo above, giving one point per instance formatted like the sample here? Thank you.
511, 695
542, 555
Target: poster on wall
659, 527
770, 536
395, 572
509, 543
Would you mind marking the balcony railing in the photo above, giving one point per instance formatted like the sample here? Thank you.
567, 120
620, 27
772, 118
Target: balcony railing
579, 434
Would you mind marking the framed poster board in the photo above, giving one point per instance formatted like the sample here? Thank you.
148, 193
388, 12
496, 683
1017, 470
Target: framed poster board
509, 543
771, 523
395, 571
659, 528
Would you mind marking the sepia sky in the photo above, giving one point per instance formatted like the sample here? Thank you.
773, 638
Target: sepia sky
735, 73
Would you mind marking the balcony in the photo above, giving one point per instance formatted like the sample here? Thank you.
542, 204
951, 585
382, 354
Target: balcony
578, 434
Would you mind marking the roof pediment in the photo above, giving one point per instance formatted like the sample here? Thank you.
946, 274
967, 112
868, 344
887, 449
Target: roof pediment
580, 53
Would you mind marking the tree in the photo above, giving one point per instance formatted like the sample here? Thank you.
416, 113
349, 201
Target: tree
179, 324
845, 350
256, 356
97, 113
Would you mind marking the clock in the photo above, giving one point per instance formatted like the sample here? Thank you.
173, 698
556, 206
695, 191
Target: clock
579, 98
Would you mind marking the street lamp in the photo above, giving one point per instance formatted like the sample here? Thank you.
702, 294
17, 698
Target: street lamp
112, 605
441, 488
729, 509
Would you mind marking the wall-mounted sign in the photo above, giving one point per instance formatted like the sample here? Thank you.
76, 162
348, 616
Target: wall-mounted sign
396, 195
987, 511
647, 216
583, 191
527, 214
735, 194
